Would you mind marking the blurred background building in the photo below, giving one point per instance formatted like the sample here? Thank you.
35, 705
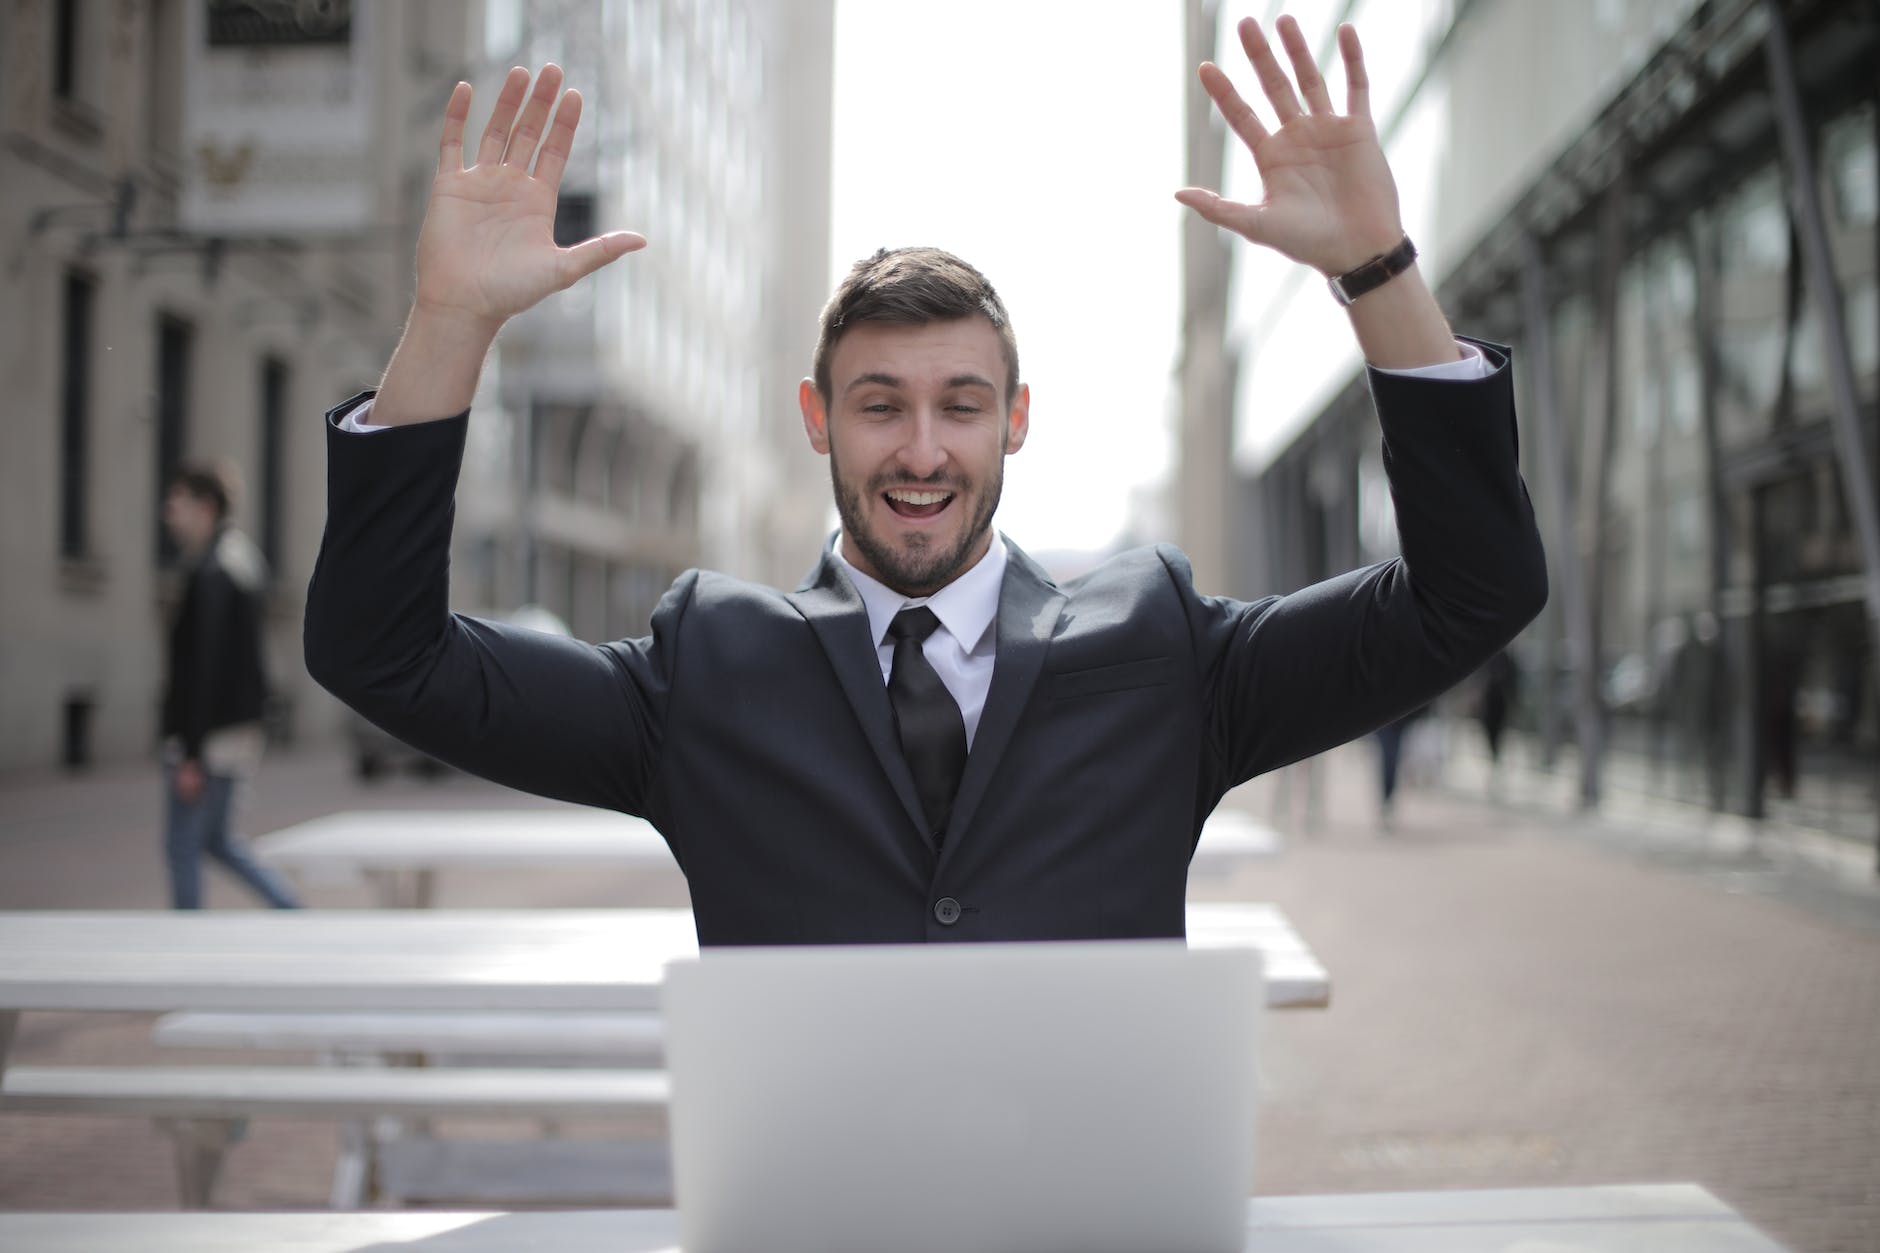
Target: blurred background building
1669, 208
207, 215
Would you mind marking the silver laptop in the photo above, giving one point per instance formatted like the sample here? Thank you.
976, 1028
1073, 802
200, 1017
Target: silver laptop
972, 1098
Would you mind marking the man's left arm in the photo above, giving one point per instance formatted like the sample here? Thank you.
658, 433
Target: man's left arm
1294, 675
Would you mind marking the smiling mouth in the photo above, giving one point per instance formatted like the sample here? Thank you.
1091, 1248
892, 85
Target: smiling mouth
916, 504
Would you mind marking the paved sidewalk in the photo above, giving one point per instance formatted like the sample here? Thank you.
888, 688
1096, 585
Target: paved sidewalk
1516, 1002
1527, 997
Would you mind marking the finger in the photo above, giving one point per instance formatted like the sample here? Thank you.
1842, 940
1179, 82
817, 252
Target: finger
496, 132
528, 128
1232, 214
560, 142
1357, 82
591, 254
1236, 112
1305, 70
1273, 79
450, 146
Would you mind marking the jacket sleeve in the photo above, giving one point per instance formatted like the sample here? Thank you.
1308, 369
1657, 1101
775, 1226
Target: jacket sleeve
530, 710
1290, 676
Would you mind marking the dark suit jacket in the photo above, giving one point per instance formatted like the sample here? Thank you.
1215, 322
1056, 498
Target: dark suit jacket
216, 675
753, 729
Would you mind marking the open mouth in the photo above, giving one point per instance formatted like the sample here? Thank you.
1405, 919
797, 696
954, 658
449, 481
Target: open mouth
917, 504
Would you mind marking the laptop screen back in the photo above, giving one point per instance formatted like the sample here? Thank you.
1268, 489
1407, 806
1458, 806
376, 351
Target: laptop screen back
1024, 1098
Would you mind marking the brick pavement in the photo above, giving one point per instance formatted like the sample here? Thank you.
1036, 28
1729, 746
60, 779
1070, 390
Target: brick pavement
1515, 1003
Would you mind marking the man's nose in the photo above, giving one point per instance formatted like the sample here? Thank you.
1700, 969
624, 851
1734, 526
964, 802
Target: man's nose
922, 454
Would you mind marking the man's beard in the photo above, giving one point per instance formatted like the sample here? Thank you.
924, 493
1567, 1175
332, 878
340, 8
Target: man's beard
920, 569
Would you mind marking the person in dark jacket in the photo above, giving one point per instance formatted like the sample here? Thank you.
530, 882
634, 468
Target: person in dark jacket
217, 687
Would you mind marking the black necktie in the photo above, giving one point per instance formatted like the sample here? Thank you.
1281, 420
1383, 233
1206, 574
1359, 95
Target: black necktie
933, 735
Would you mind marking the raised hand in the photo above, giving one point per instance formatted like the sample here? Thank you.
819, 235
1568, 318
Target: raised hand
487, 249
1330, 201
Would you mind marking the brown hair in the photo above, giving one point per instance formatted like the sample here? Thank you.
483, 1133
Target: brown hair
214, 481
912, 286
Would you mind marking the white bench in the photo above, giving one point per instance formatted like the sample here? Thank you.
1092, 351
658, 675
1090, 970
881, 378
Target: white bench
624, 1038
204, 1109
564, 1172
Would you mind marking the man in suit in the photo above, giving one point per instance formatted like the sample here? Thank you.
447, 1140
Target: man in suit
928, 740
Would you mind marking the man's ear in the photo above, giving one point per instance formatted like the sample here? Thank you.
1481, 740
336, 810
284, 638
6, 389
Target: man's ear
815, 417
1018, 421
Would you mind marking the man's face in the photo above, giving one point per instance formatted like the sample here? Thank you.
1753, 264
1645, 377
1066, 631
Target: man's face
191, 519
917, 426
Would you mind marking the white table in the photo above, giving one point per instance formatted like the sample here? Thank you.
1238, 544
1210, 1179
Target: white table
1229, 835
402, 852
1663, 1218
150, 960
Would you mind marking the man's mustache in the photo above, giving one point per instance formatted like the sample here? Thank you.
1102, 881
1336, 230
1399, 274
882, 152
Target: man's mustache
938, 482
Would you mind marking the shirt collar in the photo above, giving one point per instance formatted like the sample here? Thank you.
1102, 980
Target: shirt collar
965, 607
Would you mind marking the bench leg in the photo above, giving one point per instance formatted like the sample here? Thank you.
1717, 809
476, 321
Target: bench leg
201, 1146
352, 1172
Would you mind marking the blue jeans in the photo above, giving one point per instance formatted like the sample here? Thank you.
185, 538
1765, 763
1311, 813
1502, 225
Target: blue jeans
190, 830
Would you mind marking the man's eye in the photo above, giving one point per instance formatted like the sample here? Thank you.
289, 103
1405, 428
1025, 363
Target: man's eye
963, 408
880, 406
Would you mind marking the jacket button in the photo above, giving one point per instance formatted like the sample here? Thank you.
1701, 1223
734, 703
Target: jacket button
947, 911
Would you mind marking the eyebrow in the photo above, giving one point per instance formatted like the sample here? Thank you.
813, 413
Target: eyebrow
889, 380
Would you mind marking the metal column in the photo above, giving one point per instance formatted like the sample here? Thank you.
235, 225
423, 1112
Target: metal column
1566, 565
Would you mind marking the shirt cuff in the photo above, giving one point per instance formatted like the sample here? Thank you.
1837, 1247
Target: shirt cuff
1473, 365
355, 420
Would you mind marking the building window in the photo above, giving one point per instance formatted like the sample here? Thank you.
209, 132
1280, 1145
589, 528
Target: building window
574, 217
175, 340
67, 21
274, 387
75, 418
1852, 172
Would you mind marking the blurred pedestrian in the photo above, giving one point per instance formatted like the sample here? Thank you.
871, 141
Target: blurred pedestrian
217, 687
1501, 680
1390, 739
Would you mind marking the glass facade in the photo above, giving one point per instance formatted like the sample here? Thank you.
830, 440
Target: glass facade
1707, 516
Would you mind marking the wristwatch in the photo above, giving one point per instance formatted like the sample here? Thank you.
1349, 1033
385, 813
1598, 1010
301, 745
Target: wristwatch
1374, 273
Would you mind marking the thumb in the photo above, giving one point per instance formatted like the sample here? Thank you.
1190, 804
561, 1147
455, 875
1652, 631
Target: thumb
1243, 219
591, 254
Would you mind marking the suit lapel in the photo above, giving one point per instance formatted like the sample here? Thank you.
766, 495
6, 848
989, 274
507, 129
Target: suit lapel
1029, 605
833, 609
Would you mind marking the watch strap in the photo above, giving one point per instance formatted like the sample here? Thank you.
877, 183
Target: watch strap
1374, 273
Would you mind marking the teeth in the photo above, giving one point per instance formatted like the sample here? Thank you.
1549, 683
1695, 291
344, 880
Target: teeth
918, 498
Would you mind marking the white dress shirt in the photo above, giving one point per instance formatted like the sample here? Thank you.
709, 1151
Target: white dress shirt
963, 649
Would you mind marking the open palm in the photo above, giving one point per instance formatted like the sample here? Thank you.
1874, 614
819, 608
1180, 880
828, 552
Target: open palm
487, 248
1329, 198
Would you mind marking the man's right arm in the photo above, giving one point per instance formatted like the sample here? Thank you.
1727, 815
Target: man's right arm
534, 711
531, 710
